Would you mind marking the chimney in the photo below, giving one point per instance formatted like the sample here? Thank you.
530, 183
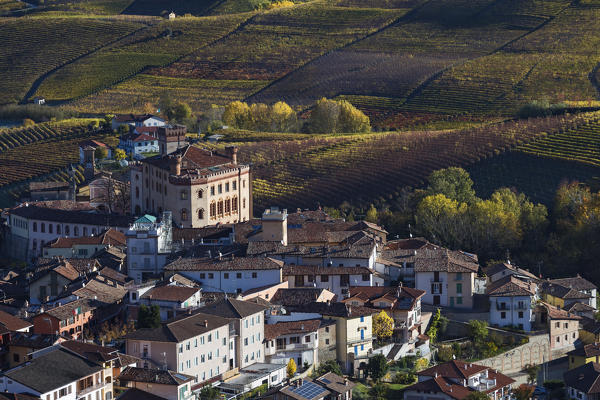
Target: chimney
345, 381
189, 311
299, 382
232, 153
175, 165
206, 323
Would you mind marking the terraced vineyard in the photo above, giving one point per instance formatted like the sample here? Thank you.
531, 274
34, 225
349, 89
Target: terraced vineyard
359, 168
30, 152
6, 6
25, 44
156, 46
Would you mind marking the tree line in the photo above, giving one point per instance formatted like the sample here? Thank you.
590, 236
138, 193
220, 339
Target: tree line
554, 241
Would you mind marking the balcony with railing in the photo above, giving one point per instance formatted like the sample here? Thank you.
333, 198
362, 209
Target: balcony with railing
364, 339
296, 346
84, 389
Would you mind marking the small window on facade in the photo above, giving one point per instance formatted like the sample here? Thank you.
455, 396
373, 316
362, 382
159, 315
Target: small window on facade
184, 215
183, 194
200, 192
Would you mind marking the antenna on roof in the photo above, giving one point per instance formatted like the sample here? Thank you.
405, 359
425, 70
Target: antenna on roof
409, 231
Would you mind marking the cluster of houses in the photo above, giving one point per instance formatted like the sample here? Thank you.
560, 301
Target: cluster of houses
239, 297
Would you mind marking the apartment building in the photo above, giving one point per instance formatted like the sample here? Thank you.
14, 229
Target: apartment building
249, 324
335, 279
172, 299
148, 245
73, 377
201, 345
85, 246
228, 274
66, 320
512, 302
297, 340
562, 326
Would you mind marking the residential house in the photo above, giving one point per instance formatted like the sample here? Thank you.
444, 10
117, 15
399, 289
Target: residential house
172, 299
562, 326
299, 296
564, 296
94, 144
201, 345
583, 382
137, 120
137, 394
512, 302
200, 187
302, 389
48, 284
13, 324
583, 355
32, 225
335, 279
327, 347
71, 377
354, 331
581, 285
297, 340
66, 320
148, 245
339, 386
447, 276
401, 303
21, 345
249, 326
84, 247
456, 380
581, 309
39, 100
164, 383
138, 144
498, 271
228, 274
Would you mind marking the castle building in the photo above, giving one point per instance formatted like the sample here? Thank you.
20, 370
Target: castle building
200, 187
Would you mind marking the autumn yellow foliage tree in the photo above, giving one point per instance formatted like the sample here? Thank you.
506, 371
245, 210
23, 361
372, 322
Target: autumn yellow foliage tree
291, 368
383, 325
120, 154
332, 116
279, 117
237, 115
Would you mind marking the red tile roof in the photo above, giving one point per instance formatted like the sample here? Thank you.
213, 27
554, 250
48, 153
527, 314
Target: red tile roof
273, 331
170, 293
454, 369
13, 323
511, 286
111, 236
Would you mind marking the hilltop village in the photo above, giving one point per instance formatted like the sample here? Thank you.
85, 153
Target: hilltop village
162, 283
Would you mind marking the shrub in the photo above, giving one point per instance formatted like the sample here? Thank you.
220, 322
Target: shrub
445, 353
405, 378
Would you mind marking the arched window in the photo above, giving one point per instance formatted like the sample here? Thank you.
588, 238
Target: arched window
43, 227
201, 213
200, 193
137, 192
227, 206
35, 226
220, 208
213, 209
137, 177
76, 231
234, 204
50, 228
184, 214
67, 230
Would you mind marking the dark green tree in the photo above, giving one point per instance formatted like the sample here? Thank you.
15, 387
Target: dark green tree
329, 366
148, 317
209, 393
454, 183
377, 367
476, 395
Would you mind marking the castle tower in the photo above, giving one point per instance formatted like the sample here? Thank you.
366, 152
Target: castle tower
171, 138
89, 162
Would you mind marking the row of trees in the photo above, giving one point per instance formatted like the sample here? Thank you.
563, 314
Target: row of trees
327, 116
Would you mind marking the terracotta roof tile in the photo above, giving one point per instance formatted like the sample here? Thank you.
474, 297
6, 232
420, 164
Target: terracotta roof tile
158, 376
335, 383
224, 264
273, 331
13, 323
511, 286
577, 283
170, 293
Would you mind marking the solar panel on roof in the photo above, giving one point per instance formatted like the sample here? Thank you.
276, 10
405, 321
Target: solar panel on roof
325, 380
183, 378
309, 390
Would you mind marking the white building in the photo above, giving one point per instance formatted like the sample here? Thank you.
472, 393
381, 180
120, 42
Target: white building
512, 302
581, 285
148, 245
137, 144
32, 225
297, 340
135, 120
228, 274
172, 299
249, 322
335, 279
59, 374
200, 345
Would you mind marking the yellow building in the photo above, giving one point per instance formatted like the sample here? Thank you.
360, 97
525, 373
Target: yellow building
584, 355
589, 331
561, 296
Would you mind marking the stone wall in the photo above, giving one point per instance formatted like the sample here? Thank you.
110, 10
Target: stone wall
537, 351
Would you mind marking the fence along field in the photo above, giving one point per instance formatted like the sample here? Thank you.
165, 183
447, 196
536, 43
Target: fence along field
302, 173
31, 47
394, 62
155, 46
